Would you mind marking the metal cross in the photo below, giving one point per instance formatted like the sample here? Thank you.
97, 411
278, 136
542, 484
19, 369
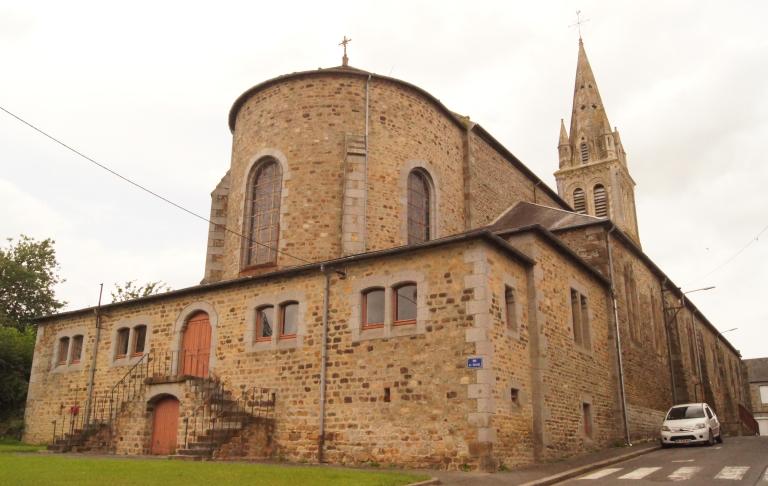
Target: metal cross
579, 22
344, 42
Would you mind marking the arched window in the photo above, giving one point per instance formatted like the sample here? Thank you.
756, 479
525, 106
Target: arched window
419, 207
263, 213
579, 202
63, 351
77, 349
405, 304
121, 349
584, 150
601, 201
139, 340
373, 308
289, 319
265, 321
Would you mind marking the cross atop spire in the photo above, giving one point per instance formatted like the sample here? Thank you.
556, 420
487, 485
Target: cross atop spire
578, 23
344, 42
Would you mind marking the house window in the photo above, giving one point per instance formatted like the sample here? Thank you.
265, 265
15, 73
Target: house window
77, 349
510, 309
764, 394
139, 340
579, 202
373, 308
289, 319
263, 213
63, 351
514, 395
601, 201
419, 207
586, 414
405, 304
121, 350
580, 319
265, 318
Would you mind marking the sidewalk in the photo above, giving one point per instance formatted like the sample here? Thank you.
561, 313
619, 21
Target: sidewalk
542, 474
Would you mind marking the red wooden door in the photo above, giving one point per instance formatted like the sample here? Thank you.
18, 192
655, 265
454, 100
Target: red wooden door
196, 346
165, 426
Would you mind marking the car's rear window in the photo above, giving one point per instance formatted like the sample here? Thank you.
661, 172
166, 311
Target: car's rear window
689, 412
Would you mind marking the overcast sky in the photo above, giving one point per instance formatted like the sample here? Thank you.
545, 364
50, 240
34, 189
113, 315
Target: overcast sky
145, 87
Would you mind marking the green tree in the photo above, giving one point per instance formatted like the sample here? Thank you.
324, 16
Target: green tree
130, 290
28, 273
16, 349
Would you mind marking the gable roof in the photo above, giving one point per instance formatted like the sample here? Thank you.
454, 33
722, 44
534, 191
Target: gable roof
525, 214
757, 369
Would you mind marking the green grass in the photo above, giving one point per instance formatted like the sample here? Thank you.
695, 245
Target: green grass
85, 471
12, 445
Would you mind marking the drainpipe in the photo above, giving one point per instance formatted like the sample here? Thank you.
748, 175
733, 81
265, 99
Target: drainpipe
365, 171
669, 342
92, 371
323, 363
618, 337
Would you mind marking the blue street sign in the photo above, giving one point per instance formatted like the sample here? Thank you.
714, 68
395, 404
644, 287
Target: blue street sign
474, 362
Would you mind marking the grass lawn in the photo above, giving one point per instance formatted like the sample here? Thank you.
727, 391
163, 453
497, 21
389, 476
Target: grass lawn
9, 445
34, 469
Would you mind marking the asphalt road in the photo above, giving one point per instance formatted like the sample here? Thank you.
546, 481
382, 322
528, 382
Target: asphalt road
739, 460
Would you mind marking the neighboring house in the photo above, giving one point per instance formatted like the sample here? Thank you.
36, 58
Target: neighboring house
386, 282
757, 375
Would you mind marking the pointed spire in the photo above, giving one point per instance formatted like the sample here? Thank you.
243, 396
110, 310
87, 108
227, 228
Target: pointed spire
588, 118
563, 134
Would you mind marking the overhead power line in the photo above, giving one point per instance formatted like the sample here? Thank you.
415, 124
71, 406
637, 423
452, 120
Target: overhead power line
735, 255
149, 191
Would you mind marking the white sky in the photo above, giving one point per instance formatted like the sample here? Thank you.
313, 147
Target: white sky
145, 87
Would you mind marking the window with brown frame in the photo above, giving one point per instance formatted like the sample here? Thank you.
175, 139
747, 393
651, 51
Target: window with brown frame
139, 340
289, 319
419, 207
510, 308
63, 354
121, 349
405, 304
263, 213
265, 319
77, 349
373, 308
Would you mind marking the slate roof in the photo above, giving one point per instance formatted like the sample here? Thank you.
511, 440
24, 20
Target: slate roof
526, 214
757, 369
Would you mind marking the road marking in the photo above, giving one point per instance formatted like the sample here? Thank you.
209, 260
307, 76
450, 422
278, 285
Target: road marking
686, 460
765, 477
684, 473
732, 472
640, 473
601, 473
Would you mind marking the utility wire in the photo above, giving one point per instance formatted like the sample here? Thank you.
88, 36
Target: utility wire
139, 186
735, 255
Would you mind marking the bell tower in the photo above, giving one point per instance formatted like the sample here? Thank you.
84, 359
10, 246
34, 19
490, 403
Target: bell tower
593, 175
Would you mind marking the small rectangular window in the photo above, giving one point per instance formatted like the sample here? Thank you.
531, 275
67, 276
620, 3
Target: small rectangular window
373, 308
387, 396
121, 350
63, 352
405, 304
510, 308
576, 316
265, 318
764, 394
586, 412
514, 395
139, 340
289, 315
77, 349
585, 337
580, 319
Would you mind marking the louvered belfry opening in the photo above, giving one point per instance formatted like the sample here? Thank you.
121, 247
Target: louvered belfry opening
601, 201
584, 150
579, 202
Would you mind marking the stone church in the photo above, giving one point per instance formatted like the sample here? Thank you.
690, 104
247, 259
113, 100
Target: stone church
386, 282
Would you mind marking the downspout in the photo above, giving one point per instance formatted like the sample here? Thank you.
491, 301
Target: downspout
323, 363
365, 171
669, 342
92, 371
618, 337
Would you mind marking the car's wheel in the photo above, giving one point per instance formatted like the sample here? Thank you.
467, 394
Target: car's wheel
664, 445
719, 438
710, 438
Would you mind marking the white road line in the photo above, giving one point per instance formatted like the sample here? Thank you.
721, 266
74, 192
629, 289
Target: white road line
601, 473
686, 460
640, 473
732, 472
684, 473
765, 476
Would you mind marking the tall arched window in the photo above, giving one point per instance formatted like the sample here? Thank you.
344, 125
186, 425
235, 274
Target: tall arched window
579, 203
419, 207
601, 201
263, 213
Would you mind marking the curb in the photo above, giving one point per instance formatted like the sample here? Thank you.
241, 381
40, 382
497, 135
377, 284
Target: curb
428, 482
571, 473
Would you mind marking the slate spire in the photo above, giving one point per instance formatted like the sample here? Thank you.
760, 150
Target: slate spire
588, 118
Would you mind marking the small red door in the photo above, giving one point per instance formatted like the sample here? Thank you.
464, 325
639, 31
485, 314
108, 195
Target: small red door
196, 346
165, 426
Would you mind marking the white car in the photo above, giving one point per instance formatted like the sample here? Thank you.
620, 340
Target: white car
690, 423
